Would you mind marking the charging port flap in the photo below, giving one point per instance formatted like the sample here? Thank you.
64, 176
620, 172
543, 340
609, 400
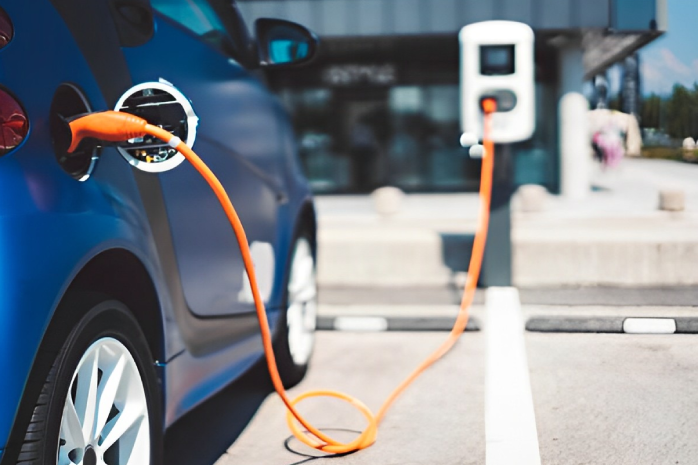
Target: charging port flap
161, 104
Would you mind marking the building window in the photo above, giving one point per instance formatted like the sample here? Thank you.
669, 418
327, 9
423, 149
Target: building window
355, 140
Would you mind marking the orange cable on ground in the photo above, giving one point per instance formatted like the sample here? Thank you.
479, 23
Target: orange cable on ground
114, 126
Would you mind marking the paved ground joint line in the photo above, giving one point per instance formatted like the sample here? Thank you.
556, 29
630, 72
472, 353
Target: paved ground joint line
510, 423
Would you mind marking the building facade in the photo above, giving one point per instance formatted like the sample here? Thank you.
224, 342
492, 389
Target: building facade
380, 105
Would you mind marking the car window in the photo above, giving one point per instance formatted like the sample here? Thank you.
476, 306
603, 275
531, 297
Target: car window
199, 17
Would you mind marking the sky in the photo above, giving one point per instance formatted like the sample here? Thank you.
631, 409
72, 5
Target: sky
673, 58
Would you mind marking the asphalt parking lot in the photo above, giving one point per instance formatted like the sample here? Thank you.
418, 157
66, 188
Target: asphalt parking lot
597, 398
615, 398
441, 415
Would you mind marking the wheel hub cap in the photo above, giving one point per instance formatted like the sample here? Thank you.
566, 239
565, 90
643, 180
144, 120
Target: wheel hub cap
302, 303
105, 417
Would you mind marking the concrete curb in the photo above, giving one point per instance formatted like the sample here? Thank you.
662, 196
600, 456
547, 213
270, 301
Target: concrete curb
380, 323
575, 325
628, 325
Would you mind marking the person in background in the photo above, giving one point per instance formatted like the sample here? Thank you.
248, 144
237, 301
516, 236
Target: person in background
363, 149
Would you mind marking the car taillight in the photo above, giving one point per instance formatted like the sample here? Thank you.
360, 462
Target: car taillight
14, 124
7, 32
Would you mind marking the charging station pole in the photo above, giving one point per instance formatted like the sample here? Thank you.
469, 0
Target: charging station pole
496, 265
497, 61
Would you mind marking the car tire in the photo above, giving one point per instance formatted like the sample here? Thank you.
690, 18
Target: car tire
100, 403
297, 323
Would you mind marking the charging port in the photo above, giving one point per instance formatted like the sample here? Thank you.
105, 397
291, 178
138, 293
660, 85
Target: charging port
161, 104
69, 101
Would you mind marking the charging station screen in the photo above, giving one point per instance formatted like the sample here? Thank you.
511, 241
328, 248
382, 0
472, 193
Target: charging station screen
497, 60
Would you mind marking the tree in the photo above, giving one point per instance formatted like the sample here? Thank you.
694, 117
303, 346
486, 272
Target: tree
651, 112
694, 111
682, 112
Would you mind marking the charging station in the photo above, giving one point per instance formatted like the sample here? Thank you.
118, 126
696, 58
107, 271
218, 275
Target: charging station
497, 62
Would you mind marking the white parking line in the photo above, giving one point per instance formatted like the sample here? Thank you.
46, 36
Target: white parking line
360, 323
510, 422
649, 325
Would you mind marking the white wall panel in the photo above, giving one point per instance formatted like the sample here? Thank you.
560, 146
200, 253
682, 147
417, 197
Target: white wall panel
261, 9
371, 20
443, 16
301, 11
335, 18
407, 16
552, 14
477, 10
594, 13
516, 10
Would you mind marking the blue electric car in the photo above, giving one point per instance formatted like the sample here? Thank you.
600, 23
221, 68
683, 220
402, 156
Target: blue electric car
123, 299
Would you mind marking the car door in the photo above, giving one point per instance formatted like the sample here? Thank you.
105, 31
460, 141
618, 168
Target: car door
237, 136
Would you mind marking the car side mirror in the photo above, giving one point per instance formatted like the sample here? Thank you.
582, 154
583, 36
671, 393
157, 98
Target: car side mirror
283, 43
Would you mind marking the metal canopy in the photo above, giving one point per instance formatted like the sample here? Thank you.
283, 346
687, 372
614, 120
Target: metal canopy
608, 30
602, 50
399, 17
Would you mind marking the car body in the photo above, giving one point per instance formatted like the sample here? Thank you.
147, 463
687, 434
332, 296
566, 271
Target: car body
157, 242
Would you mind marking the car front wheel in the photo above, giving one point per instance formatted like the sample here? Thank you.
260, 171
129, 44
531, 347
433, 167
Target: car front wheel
100, 403
297, 327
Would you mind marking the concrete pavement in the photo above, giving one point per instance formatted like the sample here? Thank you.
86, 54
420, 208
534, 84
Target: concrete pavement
598, 399
440, 419
615, 399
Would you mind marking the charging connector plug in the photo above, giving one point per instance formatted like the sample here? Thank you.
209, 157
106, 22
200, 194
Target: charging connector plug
110, 126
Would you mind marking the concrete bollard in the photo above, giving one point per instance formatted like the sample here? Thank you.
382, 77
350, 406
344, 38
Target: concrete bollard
672, 200
689, 149
387, 200
575, 146
531, 198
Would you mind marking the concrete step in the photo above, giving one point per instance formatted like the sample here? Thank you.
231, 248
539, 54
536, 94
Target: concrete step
361, 257
656, 250
412, 300
647, 263
653, 251
615, 236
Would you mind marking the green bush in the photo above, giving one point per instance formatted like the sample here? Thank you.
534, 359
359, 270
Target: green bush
669, 153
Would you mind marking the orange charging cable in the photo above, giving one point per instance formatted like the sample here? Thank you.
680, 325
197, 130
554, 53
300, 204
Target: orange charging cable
115, 126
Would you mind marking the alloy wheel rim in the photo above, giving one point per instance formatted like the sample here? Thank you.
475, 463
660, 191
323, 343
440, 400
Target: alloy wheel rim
302, 299
105, 417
